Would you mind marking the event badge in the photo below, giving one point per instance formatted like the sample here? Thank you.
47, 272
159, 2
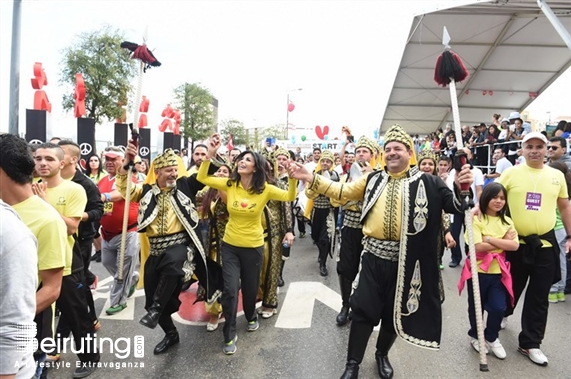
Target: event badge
533, 201
108, 207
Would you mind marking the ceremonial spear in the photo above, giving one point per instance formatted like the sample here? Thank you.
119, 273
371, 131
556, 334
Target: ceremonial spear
449, 70
146, 60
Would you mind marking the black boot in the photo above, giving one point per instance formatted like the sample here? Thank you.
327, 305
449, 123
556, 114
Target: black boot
171, 338
163, 292
351, 370
346, 286
96, 257
281, 282
323, 269
358, 339
384, 343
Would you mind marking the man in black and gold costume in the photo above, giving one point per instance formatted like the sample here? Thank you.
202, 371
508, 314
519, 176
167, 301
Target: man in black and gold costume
323, 218
168, 216
352, 230
398, 279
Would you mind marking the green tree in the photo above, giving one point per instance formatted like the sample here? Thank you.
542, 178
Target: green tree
107, 72
236, 129
196, 111
277, 131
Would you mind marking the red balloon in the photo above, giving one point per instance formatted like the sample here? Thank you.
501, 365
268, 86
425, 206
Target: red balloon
290, 107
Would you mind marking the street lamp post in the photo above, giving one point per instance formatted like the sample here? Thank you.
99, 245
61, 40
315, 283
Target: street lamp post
287, 110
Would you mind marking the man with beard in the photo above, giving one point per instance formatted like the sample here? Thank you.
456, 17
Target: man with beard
111, 230
198, 156
168, 216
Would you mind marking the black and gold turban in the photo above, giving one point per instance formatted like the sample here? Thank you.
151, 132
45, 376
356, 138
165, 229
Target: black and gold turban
396, 133
166, 159
281, 151
367, 142
326, 154
427, 154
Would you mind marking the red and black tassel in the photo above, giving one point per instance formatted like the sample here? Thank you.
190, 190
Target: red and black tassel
449, 67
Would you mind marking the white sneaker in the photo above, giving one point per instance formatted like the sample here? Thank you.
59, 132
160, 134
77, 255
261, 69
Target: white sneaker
504, 323
496, 348
535, 355
476, 345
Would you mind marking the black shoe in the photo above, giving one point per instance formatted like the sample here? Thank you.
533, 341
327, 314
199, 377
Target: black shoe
323, 270
343, 316
185, 286
171, 338
85, 371
96, 257
453, 264
281, 282
351, 370
384, 366
151, 319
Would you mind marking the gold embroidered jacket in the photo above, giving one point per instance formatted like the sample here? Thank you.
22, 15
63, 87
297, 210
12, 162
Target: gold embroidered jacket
407, 208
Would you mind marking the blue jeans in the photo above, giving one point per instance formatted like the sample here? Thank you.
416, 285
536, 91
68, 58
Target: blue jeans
39, 358
494, 297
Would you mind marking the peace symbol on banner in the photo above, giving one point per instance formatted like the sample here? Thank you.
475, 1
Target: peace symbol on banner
144, 151
85, 148
36, 142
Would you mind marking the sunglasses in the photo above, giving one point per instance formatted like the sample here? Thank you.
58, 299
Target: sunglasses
552, 147
115, 149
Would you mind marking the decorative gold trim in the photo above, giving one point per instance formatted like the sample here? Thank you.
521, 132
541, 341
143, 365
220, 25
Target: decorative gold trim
414, 292
421, 209
397, 319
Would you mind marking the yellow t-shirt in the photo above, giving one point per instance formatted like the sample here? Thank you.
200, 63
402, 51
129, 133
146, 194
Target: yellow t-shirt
532, 197
69, 199
490, 226
244, 228
50, 231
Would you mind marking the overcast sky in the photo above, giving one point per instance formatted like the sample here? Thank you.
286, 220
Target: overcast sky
249, 54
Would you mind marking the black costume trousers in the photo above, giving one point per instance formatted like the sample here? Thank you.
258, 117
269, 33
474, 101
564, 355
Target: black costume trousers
371, 302
350, 252
535, 306
168, 264
319, 232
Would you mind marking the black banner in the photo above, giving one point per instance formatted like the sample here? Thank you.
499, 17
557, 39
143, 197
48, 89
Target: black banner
36, 126
145, 143
121, 135
176, 142
86, 139
168, 140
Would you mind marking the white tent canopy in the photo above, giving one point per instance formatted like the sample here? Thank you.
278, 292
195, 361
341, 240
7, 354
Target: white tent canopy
509, 47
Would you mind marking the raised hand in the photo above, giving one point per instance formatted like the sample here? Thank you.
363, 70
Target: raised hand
214, 143
299, 172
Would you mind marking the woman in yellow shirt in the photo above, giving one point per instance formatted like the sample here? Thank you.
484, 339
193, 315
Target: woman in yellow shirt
243, 244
